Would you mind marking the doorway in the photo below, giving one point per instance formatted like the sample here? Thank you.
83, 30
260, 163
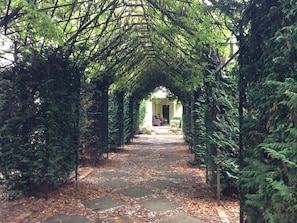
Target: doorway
165, 113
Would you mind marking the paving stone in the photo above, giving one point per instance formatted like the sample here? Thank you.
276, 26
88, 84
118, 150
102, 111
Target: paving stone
151, 164
181, 218
162, 184
177, 176
164, 170
172, 158
112, 174
116, 183
160, 204
102, 203
128, 168
67, 218
141, 162
154, 168
119, 219
136, 192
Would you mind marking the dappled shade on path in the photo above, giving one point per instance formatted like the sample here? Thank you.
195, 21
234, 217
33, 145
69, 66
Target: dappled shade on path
148, 181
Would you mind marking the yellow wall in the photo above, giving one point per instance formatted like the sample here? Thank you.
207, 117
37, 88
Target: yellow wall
175, 109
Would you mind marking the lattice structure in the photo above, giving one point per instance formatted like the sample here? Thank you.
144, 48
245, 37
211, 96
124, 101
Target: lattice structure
136, 41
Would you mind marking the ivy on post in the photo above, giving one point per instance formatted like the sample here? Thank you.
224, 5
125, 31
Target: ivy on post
199, 127
242, 59
187, 124
129, 107
116, 119
136, 117
101, 101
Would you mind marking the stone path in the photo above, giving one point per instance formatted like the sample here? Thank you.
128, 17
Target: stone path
148, 181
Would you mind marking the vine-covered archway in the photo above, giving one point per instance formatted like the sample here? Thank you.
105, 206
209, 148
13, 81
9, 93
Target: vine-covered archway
74, 72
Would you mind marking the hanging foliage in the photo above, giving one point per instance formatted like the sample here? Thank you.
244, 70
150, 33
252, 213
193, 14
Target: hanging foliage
138, 48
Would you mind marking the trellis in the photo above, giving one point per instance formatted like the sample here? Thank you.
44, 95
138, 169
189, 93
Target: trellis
126, 49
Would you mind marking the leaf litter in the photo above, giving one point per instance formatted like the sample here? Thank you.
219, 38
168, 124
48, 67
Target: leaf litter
140, 162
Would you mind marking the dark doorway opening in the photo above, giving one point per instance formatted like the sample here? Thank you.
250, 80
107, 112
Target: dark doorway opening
165, 113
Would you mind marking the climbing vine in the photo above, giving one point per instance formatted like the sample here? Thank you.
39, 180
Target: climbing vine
116, 120
182, 45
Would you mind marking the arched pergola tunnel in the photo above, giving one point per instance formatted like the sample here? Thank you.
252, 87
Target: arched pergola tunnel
74, 72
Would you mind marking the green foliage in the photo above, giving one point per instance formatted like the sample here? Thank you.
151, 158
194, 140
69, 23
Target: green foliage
89, 127
187, 124
199, 126
116, 119
39, 126
129, 117
222, 133
177, 44
216, 129
142, 113
270, 120
97, 115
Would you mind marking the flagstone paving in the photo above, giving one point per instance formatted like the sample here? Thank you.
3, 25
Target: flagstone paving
178, 176
122, 218
65, 218
116, 183
160, 204
136, 192
162, 184
144, 183
179, 219
113, 174
103, 203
